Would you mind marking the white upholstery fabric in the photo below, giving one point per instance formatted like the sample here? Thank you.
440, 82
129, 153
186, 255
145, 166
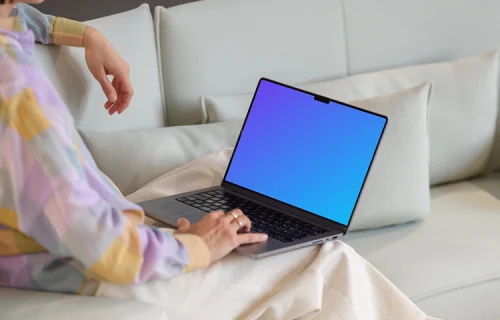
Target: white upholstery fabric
223, 47
463, 108
448, 264
224, 108
400, 33
375, 36
442, 262
18, 304
394, 33
397, 188
379, 35
326, 282
132, 34
132, 159
473, 301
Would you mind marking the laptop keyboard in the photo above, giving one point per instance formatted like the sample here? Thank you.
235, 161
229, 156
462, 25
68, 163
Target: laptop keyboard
273, 223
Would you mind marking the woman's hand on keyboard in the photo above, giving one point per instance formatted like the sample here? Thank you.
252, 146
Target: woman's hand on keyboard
219, 231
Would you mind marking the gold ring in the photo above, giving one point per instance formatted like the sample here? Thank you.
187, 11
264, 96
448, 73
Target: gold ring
235, 215
235, 218
239, 222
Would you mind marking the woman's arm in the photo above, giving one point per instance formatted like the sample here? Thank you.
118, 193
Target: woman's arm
51, 30
57, 196
102, 59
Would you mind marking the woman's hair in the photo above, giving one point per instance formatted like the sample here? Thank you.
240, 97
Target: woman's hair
16, 1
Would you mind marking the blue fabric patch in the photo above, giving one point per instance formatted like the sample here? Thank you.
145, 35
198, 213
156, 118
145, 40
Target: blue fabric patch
59, 275
36, 21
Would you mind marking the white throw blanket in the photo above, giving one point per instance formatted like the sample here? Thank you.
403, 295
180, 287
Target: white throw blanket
324, 282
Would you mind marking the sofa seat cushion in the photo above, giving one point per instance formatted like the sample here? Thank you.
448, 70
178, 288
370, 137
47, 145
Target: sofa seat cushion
19, 304
475, 301
447, 257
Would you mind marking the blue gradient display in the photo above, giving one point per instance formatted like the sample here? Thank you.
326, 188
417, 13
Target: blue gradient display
306, 153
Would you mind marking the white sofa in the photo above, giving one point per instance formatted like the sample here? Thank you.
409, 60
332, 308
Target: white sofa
449, 263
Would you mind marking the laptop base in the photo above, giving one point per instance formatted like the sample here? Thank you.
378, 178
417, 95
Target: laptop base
168, 210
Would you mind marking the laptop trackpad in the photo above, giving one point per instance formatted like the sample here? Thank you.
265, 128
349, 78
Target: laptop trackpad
194, 217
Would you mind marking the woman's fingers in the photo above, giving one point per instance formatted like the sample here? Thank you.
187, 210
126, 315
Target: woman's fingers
229, 216
216, 214
237, 220
246, 238
184, 225
125, 92
107, 87
108, 103
241, 223
219, 231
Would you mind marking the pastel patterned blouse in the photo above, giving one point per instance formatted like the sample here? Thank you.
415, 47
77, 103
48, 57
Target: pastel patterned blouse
63, 224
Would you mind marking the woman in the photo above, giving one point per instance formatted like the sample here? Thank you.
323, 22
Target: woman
58, 212
64, 227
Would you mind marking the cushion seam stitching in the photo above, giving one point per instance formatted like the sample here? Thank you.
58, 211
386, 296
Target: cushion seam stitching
450, 288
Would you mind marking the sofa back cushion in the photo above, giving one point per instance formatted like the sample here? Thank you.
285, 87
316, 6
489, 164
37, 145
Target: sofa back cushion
396, 190
394, 33
463, 108
225, 46
132, 34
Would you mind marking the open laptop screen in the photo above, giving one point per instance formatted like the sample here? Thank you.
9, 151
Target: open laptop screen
307, 153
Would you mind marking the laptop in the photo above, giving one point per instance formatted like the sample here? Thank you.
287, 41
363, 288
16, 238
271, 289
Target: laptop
297, 170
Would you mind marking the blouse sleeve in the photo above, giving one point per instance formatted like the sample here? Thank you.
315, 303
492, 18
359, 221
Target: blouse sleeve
51, 30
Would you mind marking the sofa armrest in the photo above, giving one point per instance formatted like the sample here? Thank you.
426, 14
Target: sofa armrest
21, 304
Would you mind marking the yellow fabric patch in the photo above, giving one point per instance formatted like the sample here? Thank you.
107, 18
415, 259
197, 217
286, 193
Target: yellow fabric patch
4, 40
12, 23
13, 242
8, 218
67, 32
52, 28
122, 261
136, 217
4, 43
23, 113
10, 52
17, 26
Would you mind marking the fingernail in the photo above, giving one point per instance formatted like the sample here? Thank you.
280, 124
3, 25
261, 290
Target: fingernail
264, 237
112, 97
